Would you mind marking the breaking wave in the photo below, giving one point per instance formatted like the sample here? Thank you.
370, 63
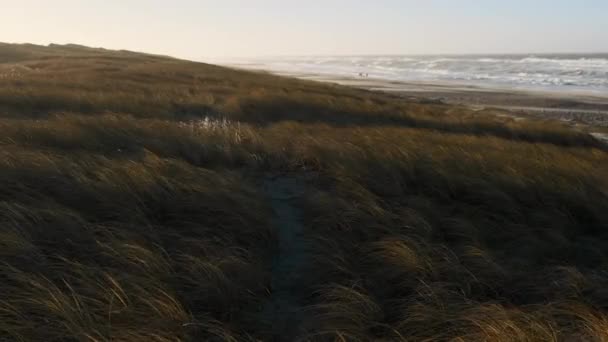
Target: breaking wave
555, 72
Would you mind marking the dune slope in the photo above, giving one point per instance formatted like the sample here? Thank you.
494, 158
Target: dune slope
141, 199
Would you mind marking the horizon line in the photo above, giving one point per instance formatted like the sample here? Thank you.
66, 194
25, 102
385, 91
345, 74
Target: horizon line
287, 55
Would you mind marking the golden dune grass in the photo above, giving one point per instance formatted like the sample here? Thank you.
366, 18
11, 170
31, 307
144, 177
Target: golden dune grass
131, 209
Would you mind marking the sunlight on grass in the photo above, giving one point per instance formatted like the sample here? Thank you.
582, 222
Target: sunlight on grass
131, 208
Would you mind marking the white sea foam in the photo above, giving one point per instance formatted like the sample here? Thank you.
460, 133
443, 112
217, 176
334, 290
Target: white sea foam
554, 72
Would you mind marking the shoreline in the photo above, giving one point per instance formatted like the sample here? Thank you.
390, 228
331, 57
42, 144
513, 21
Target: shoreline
463, 94
588, 112
578, 108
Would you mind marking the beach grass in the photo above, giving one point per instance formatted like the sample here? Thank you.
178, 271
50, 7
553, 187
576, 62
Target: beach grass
133, 209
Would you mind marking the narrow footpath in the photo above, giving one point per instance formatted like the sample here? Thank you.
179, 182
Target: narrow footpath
283, 308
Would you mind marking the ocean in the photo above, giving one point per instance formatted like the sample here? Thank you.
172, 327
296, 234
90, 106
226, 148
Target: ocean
587, 73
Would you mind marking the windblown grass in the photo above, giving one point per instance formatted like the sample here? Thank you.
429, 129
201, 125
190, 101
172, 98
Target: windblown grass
131, 209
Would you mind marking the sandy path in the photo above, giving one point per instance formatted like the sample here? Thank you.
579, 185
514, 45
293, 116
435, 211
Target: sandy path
283, 308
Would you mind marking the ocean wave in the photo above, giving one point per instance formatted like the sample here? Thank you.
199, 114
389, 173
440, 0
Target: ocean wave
584, 72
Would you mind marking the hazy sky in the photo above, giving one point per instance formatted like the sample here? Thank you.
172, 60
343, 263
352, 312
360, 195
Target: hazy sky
206, 28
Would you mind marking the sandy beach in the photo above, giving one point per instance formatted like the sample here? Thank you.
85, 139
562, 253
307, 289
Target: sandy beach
576, 107
585, 110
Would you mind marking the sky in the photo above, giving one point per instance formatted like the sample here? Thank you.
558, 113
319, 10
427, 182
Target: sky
199, 29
